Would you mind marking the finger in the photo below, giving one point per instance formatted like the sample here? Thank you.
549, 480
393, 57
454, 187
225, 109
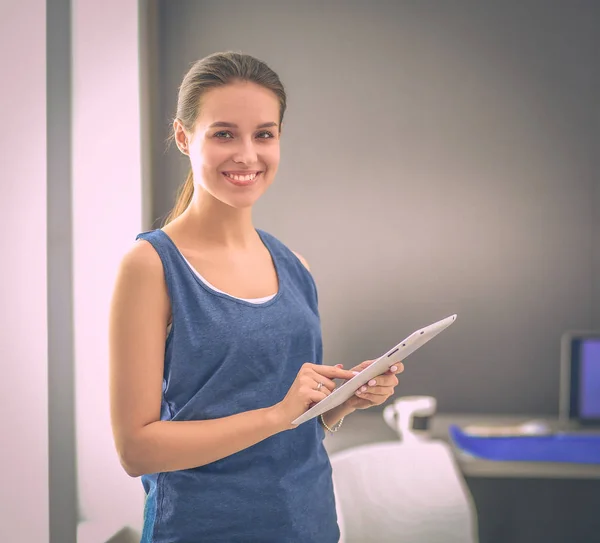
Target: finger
321, 395
375, 399
363, 365
332, 372
383, 380
377, 391
315, 396
366, 396
396, 368
327, 383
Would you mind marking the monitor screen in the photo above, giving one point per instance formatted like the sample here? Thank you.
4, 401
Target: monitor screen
589, 378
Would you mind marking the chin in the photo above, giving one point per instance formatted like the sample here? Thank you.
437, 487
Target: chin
237, 201
240, 199
241, 203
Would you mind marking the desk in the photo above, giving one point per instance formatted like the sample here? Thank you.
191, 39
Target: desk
517, 502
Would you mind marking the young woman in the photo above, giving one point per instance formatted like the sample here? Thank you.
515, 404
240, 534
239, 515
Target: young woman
215, 338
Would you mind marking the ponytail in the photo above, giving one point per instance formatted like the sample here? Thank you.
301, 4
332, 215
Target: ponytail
184, 197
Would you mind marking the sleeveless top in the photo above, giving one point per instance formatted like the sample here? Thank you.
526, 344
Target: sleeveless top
223, 356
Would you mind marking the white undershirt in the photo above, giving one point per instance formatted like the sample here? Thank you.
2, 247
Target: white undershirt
251, 300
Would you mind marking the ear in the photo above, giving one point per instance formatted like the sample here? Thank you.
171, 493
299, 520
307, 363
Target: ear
181, 138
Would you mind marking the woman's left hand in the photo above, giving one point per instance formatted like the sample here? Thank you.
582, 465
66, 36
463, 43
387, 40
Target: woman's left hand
377, 390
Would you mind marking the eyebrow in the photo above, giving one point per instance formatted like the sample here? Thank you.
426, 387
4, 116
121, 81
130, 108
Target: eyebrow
223, 124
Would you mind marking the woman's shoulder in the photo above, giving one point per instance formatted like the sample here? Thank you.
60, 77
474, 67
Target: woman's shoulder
141, 259
302, 259
140, 280
270, 237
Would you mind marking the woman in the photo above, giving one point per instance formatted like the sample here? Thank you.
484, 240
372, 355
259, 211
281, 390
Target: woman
215, 338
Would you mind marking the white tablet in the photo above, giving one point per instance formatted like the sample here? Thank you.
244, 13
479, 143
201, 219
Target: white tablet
381, 365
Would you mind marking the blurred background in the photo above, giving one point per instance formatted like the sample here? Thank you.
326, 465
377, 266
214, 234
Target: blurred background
438, 157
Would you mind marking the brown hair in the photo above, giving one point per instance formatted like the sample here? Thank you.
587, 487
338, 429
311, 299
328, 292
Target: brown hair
217, 70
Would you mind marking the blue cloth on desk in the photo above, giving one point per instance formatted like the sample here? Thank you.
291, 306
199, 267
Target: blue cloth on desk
579, 449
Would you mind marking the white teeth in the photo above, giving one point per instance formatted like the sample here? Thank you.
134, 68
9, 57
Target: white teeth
241, 177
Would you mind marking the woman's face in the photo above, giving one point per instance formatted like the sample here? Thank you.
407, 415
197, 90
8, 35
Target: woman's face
234, 149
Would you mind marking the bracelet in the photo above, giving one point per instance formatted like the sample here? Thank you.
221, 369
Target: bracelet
336, 426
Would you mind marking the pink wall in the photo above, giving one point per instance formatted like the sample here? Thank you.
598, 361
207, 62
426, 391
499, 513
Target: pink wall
107, 215
24, 506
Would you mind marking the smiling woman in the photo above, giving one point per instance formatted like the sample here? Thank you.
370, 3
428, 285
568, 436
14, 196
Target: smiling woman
240, 80
215, 338
246, 154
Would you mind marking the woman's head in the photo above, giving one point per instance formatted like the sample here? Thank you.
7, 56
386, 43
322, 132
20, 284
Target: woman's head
229, 115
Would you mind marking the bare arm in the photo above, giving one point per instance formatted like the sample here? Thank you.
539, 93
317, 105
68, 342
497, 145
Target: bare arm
176, 445
145, 444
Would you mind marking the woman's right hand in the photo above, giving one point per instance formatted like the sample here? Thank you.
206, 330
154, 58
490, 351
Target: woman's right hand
303, 393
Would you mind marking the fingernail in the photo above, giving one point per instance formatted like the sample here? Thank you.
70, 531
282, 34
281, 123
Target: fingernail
394, 368
355, 372
363, 389
372, 382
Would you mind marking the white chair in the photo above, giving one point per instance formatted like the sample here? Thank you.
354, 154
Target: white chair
402, 492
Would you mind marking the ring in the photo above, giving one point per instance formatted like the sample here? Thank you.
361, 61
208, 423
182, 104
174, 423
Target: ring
319, 386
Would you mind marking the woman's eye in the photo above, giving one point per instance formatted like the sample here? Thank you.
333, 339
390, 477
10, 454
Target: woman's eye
226, 135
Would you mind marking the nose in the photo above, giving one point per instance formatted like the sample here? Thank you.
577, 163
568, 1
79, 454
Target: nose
245, 152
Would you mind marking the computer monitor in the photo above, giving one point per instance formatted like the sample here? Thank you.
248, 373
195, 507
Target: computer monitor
580, 378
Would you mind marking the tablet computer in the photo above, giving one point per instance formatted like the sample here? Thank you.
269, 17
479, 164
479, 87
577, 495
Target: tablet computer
396, 354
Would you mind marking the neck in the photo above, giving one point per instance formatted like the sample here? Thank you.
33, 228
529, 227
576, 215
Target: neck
217, 223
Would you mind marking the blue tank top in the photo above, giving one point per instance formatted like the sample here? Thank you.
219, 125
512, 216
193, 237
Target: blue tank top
225, 356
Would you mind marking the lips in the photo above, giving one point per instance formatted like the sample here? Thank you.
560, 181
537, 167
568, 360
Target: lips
242, 176
242, 179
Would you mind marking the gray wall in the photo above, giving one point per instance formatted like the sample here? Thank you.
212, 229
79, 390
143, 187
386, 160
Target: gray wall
595, 154
437, 158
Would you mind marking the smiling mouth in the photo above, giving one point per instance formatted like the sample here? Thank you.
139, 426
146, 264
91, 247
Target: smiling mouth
241, 177
242, 180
